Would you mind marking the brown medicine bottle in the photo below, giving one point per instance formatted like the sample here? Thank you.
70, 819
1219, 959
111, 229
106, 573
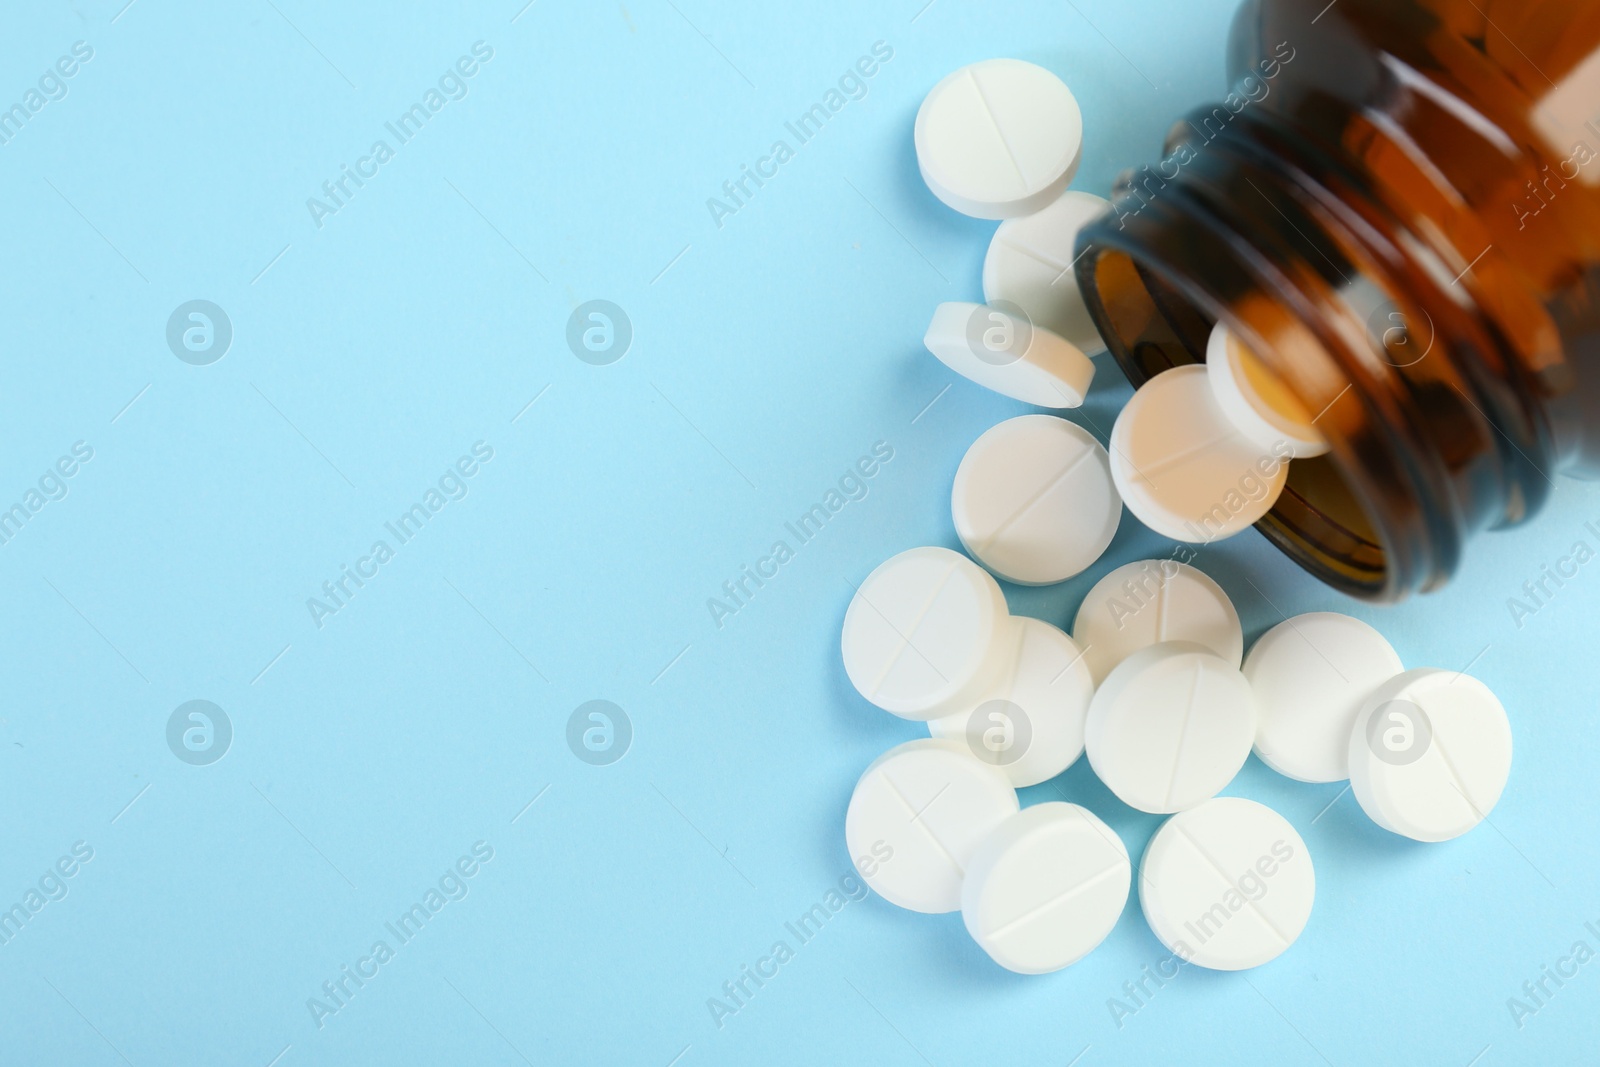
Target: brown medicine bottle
1398, 208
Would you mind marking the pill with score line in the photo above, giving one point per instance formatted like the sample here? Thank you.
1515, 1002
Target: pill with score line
930, 804
999, 139
1046, 888
922, 632
1033, 500
1430, 754
1151, 601
1170, 727
1311, 675
1228, 885
1184, 469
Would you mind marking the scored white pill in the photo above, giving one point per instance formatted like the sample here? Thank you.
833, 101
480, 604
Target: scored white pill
921, 633
1184, 469
919, 813
1007, 353
1046, 888
1031, 724
999, 139
1155, 600
1030, 265
1170, 727
1256, 401
1430, 754
1033, 500
1311, 675
1228, 885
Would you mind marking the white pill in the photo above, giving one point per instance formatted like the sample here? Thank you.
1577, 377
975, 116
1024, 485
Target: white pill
921, 632
1033, 500
1155, 600
1046, 888
1311, 675
1430, 754
1030, 265
1228, 885
1031, 724
999, 139
1184, 469
1257, 402
1170, 727
916, 817
1000, 351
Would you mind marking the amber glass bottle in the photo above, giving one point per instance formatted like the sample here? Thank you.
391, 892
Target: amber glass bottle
1398, 208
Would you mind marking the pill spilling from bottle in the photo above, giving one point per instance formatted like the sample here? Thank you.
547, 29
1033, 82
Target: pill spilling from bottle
1153, 685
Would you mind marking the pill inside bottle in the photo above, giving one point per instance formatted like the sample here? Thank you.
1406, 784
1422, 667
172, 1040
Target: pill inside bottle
1398, 217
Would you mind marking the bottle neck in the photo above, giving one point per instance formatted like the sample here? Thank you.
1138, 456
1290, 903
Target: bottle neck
1379, 327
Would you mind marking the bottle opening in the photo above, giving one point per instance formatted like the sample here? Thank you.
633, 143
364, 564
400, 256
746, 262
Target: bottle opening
1153, 324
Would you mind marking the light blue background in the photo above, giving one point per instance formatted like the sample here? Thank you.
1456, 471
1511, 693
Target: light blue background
425, 716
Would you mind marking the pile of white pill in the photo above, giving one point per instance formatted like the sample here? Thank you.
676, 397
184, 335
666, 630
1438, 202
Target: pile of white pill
1153, 684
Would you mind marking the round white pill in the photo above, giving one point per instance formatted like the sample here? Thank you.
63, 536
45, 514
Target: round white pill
1046, 888
1155, 600
917, 816
921, 633
1430, 754
1257, 402
1033, 500
1311, 675
999, 139
1030, 725
1005, 352
1030, 265
1170, 727
1228, 885
1184, 469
